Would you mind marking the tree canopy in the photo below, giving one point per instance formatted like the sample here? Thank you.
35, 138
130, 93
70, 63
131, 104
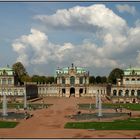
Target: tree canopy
97, 80
20, 72
92, 80
43, 79
22, 76
114, 74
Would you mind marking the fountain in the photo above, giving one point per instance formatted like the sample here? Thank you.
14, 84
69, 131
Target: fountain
97, 101
4, 106
25, 101
100, 106
11, 114
96, 115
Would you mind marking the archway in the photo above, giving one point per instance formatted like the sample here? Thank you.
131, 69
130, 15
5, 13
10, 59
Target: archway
63, 91
72, 91
134, 100
80, 91
114, 92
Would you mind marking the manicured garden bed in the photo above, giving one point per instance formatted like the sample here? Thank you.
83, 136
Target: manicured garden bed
6, 124
129, 124
129, 106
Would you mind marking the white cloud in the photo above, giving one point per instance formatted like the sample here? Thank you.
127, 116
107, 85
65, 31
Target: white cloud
115, 45
35, 48
91, 17
126, 8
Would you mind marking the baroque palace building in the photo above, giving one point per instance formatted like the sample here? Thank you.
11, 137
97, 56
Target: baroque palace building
72, 82
127, 89
13, 90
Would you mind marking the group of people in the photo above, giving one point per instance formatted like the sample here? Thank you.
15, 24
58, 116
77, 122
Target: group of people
117, 109
120, 108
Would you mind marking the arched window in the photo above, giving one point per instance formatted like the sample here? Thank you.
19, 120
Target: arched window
133, 79
132, 92
63, 80
3, 81
138, 79
63, 90
120, 92
9, 81
114, 92
72, 80
127, 92
81, 80
138, 92
127, 79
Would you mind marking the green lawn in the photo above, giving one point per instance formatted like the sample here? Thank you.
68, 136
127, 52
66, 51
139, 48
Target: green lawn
130, 124
5, 124
127, 105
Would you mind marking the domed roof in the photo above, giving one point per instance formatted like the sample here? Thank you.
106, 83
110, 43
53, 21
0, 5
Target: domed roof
8, 70
66, 69
132, 70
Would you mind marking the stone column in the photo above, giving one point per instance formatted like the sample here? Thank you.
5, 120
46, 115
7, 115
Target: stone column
83, 80
57, 80
76, 92
60, 92
77, 80
66, 79
129, 92
123, 92
135, 93
67, 92
87, 80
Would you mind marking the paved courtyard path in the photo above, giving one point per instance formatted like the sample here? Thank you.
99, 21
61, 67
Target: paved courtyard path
49, 123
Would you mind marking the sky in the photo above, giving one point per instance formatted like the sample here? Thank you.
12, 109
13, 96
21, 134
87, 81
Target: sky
98, 36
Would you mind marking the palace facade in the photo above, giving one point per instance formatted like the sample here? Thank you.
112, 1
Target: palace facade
72, 82
13, 90
127, 89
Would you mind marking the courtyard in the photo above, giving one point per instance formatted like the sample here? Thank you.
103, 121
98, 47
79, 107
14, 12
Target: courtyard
50, 122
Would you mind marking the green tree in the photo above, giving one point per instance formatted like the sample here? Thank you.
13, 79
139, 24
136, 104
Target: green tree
114, 74
35, 78
103, 79
98, 79
20, 71
92, 80
26, 78
43, 79
50, 79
